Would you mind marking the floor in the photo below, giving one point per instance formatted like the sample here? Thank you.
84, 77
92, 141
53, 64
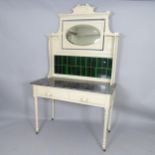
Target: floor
63, 137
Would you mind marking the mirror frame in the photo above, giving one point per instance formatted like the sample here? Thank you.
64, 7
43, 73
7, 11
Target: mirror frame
98, 24
80, 35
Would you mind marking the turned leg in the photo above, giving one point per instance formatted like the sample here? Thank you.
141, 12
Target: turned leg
53, 109
36, 115
105, 129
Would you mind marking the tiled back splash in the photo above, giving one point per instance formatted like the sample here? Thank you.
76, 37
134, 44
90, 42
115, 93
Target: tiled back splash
83, 66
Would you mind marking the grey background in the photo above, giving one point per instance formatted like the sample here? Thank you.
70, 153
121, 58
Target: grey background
24, 26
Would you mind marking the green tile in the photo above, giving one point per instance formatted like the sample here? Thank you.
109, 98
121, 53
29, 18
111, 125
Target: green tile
65, 69
102, 72
83, 71
77, 70
61, 60
97, 74
70, 61
69, 70
102, 62
109, 63
97, 62
56, 69
75, 61
65, 60
89, 71
83, 66
74, 70
56, 60
94, 62
61, 70
108, 72
88, 63
86, 71
79, 61
93, 72
82, 61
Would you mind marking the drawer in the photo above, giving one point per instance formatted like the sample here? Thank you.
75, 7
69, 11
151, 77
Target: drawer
49, 92
61, 94
43, 92
95, 99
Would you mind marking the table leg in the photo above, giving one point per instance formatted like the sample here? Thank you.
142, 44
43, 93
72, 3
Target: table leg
36, 115
110, 112
105, 129
53, 109
110, 118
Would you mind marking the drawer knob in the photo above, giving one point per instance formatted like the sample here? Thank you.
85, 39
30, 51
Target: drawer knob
49, 94
83, 99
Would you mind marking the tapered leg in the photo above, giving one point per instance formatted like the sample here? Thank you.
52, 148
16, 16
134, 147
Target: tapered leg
105, 129
110, 118
110, 112
36, 115
53, 109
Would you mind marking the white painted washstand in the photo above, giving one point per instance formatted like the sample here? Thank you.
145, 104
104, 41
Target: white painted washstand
82, 64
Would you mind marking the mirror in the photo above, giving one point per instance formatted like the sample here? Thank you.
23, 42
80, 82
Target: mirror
83, 35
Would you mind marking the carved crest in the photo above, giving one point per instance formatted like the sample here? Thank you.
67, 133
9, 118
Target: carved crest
83, 9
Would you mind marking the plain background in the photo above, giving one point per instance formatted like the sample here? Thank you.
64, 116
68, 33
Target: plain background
24, 27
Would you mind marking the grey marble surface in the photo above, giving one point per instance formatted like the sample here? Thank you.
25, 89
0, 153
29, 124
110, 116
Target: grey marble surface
77, 85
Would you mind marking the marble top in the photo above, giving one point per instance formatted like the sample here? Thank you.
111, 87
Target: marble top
97, 87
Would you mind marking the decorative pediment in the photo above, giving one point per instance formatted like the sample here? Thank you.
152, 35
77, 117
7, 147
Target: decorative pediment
83, 9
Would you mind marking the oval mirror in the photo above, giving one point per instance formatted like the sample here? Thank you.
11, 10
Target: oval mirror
83, 35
